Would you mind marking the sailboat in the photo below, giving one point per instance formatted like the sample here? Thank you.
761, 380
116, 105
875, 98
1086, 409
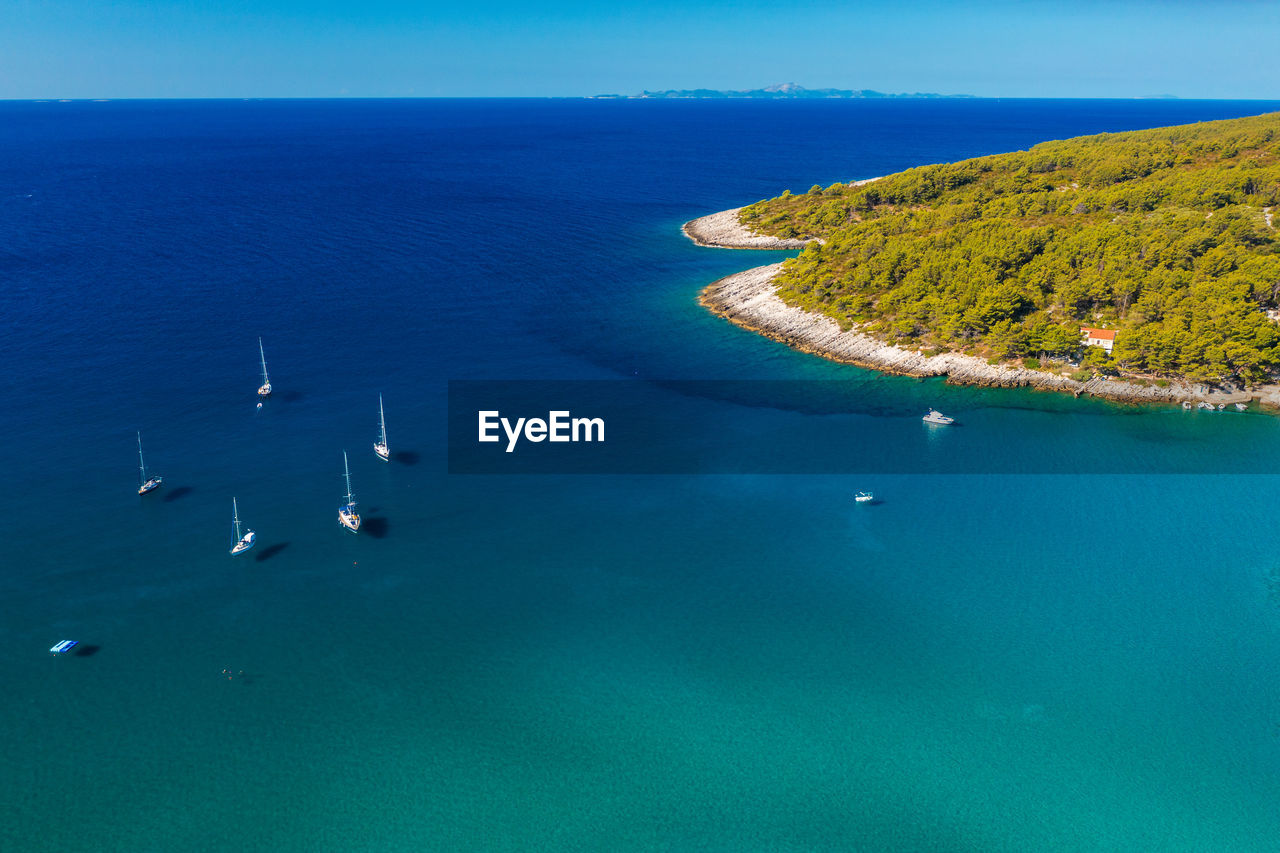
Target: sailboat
347, 515
265, 390
380, 446
145, 483
241, 543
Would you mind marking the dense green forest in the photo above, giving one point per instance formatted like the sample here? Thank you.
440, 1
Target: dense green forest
1165, 235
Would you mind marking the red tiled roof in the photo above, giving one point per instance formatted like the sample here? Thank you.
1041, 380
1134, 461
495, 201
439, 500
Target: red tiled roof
1099, 334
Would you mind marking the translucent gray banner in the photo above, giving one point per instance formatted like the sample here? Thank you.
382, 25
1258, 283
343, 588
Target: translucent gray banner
829, 427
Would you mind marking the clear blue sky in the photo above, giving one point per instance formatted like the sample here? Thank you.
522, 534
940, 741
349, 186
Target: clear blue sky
381, 48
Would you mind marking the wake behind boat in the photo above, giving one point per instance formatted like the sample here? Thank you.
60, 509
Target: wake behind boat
936, 417
265, 389
380, 446
240, 544
145, 483
347, 515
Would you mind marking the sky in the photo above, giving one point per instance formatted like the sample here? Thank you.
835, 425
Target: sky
511, 48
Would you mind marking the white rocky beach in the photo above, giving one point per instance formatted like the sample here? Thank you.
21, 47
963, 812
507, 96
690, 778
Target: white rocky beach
723, 231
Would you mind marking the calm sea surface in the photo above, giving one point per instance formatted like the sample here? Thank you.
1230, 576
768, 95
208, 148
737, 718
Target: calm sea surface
979, 662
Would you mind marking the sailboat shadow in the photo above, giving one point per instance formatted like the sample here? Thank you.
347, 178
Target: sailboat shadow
177, 494
87, 651
270, 551
406, 457
375, 527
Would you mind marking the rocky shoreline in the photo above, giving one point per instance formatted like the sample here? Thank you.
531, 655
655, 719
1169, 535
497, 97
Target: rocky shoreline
723, 231
749, 299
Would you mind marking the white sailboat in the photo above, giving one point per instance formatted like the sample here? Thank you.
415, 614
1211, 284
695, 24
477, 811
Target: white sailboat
145, 483
347, 515
240, 544
265, 389
380, 446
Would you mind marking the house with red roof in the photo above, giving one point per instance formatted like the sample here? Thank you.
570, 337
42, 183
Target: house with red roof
1105, 338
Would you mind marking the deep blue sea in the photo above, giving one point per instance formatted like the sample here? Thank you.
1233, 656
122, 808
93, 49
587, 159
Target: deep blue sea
981, 661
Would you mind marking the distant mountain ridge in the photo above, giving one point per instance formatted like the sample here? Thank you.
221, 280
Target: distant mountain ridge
781, 91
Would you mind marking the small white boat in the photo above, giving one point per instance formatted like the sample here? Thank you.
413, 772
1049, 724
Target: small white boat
264, 390
380, 446
64, 647
1206, 406
1221, 406
240, 544
1186, 404
347, 515
1241, 407
863, 497
146, 484
936, 417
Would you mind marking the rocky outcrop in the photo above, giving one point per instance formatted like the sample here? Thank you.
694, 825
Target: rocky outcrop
750, 300
723, 231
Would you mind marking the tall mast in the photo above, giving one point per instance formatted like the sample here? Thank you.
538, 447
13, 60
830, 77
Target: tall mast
382, 421
346, 470
235, 516
265, 381
142, 466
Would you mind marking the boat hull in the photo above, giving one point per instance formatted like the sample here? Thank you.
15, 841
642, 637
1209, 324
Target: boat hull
151, 485
265, 390
246, 542
382, 452
349, 520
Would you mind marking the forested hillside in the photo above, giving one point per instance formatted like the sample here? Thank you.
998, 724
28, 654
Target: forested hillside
1165, 235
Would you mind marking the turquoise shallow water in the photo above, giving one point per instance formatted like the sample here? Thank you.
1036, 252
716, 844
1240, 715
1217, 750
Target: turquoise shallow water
978, 662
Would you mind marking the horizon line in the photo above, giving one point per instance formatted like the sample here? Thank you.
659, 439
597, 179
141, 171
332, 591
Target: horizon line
608, 97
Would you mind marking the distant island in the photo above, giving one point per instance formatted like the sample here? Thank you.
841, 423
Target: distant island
781, 91
1138, 266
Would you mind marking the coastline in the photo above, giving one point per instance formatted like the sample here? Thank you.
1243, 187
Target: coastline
749, 299
723, 231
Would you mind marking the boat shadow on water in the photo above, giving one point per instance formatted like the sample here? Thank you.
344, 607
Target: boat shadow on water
177, 494
405, 457
270, 551
375, 526
84, 650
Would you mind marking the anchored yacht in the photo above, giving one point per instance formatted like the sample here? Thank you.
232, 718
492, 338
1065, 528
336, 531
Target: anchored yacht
146, 484
240, 544
347, 515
